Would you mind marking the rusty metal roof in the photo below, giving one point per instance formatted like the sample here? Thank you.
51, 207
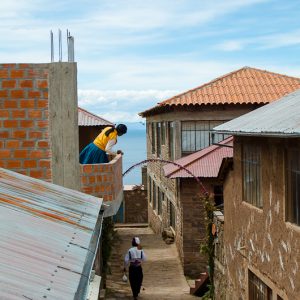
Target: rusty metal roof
205, 163
86, 118
244, 86
280, 118
46, 237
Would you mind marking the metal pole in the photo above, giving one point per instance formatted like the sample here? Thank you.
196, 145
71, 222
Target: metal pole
70, 42
59, 45
52, 46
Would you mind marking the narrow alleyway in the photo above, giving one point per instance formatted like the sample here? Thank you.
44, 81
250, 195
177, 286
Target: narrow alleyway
163, 274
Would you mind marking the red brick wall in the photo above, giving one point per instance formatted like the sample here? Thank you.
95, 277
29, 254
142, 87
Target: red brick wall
24, 125
102, 180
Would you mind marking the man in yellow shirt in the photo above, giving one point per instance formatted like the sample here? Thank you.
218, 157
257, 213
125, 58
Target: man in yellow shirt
96, 152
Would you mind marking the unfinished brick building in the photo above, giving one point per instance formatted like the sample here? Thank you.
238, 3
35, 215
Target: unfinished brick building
262, 205
182, 125
39, 134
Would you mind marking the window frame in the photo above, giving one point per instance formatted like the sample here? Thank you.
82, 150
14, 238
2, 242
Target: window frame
259, 288
150, 190
172, 215
153, 131
171, 141
154, 202
158, 139
160, 201
163, 133
252, 174
199, 135
292, 162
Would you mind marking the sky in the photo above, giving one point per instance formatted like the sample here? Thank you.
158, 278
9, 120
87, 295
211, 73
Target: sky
132, 54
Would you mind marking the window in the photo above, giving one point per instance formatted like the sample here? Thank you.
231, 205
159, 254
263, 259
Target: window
257, 289
218, 195
160, 200
196, 135
158, 138
172, 215
154, 195
153, 129
252, 175
163, 133
293, 186
150, 190
171, 141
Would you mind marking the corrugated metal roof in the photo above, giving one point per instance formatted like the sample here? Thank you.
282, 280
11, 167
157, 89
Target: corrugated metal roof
244, 86
86, 118
280, 118
203, 164
45, 236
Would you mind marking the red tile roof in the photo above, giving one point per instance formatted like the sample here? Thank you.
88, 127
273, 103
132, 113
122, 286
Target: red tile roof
244, 86
205, 163
86, 118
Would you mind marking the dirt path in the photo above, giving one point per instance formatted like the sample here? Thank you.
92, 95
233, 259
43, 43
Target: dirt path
163, 274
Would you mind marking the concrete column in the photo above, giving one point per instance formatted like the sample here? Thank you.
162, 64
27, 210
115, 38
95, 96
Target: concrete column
63, 123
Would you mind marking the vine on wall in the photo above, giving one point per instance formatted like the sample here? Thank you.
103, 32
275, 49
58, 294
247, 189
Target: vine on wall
208, 248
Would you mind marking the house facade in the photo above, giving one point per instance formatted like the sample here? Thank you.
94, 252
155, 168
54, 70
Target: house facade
205, 165
182, 125
262, 205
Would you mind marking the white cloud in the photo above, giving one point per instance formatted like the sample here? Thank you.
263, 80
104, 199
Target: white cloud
172, 73
233, 45
280, 40
121, 105
262, 42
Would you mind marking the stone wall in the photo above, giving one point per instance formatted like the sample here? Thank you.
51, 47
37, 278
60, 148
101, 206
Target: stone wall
135, 204
154, 169
190, 217
193, 227
256, 239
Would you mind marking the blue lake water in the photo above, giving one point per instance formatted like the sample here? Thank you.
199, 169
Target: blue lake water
133, 144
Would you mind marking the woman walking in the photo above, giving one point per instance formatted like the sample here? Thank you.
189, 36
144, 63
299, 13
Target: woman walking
134, 258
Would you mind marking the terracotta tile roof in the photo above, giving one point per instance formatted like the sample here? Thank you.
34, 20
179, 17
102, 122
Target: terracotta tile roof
205, 163
86, 118
244, 86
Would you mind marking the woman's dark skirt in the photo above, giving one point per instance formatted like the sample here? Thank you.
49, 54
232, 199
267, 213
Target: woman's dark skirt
135, 279
91, 154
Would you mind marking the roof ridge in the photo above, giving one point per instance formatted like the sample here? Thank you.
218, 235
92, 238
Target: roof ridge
275, 73
223, 77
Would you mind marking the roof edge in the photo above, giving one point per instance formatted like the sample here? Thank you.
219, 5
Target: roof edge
213, 148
